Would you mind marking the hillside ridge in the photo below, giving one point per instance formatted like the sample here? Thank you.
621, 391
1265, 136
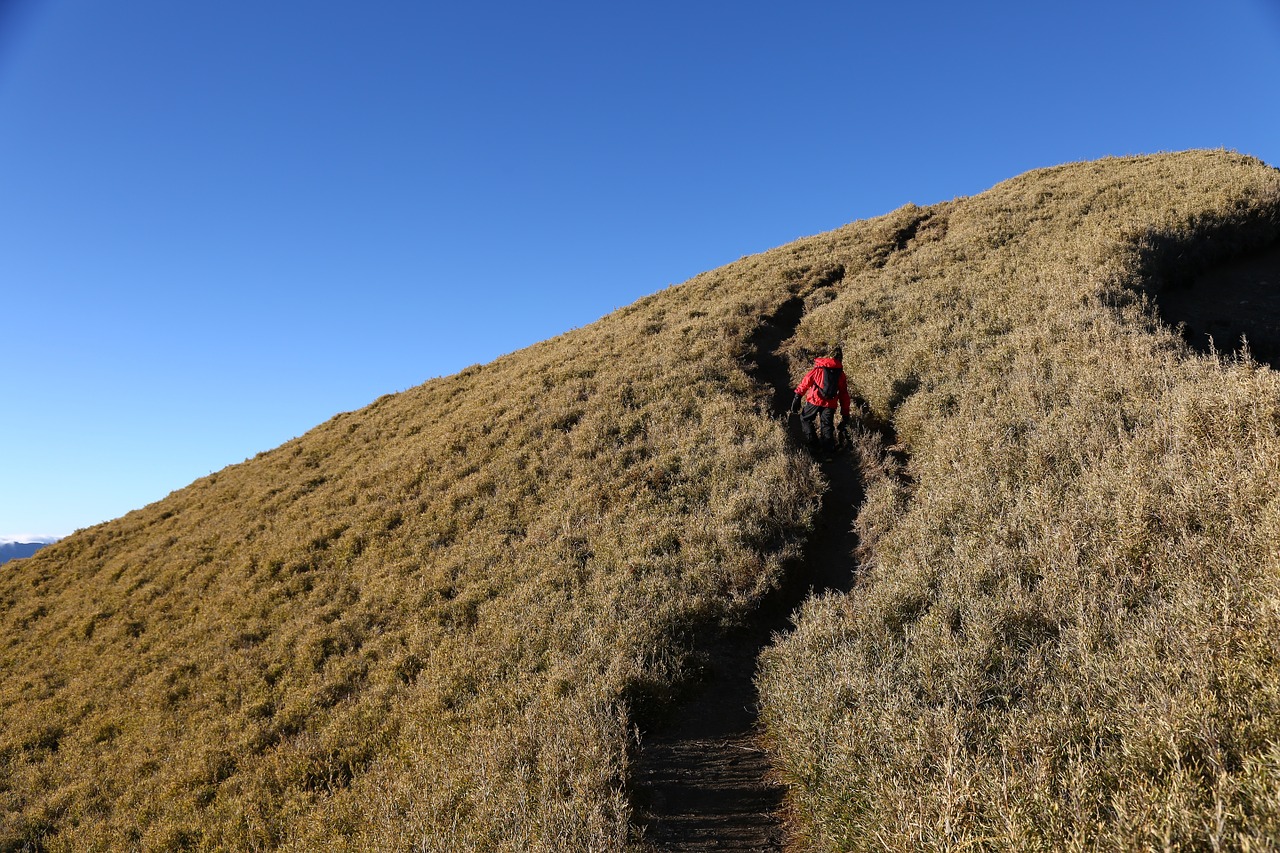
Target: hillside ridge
435, 622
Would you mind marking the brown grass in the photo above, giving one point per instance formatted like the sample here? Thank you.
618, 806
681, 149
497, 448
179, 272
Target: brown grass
431, 624
424, 625
1064, 636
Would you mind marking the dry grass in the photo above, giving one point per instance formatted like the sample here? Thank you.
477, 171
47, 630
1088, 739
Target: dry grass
425, 625
431, 624
1064, 636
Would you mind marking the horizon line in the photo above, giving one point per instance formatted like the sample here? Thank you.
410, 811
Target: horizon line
21, 539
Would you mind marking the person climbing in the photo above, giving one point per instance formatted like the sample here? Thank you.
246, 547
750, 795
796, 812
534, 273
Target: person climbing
822, 389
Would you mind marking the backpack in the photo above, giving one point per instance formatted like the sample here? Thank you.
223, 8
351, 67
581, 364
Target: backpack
829, 387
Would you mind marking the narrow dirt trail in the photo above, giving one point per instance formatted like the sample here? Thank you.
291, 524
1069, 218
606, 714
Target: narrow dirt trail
701, 782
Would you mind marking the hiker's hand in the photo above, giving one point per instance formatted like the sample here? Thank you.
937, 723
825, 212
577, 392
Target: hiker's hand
795, 403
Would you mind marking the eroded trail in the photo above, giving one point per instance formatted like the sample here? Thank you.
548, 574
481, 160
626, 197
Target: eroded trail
701, 782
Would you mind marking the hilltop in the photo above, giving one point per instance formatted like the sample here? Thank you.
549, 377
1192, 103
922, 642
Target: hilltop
436, 622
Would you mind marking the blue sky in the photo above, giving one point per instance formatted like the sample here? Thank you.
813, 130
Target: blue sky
223, 223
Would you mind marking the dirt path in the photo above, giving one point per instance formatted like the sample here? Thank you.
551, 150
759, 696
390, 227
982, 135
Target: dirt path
701, 782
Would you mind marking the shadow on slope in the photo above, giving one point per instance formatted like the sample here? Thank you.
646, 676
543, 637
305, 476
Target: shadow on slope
1230, 301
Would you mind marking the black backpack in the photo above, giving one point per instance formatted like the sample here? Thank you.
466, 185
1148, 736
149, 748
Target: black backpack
829, 388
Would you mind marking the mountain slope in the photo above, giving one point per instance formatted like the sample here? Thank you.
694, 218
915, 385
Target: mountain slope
423, 623
432, 623
1064, 632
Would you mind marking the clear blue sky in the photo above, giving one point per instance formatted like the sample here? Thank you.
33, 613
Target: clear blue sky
222, 223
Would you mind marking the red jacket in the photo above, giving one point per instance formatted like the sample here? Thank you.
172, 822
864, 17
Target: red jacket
811, 386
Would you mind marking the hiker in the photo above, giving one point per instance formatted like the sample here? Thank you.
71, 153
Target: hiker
822, 388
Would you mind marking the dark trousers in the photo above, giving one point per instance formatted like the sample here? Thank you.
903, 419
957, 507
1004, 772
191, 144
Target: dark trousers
818, 425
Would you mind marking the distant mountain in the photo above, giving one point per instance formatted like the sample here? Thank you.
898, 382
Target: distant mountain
17, 550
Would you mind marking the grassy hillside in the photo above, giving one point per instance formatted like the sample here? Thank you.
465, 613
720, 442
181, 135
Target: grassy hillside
1064, 634
431, 624
421, 625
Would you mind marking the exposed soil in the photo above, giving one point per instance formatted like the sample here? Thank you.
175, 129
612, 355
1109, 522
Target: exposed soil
701, 781
1237, 299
